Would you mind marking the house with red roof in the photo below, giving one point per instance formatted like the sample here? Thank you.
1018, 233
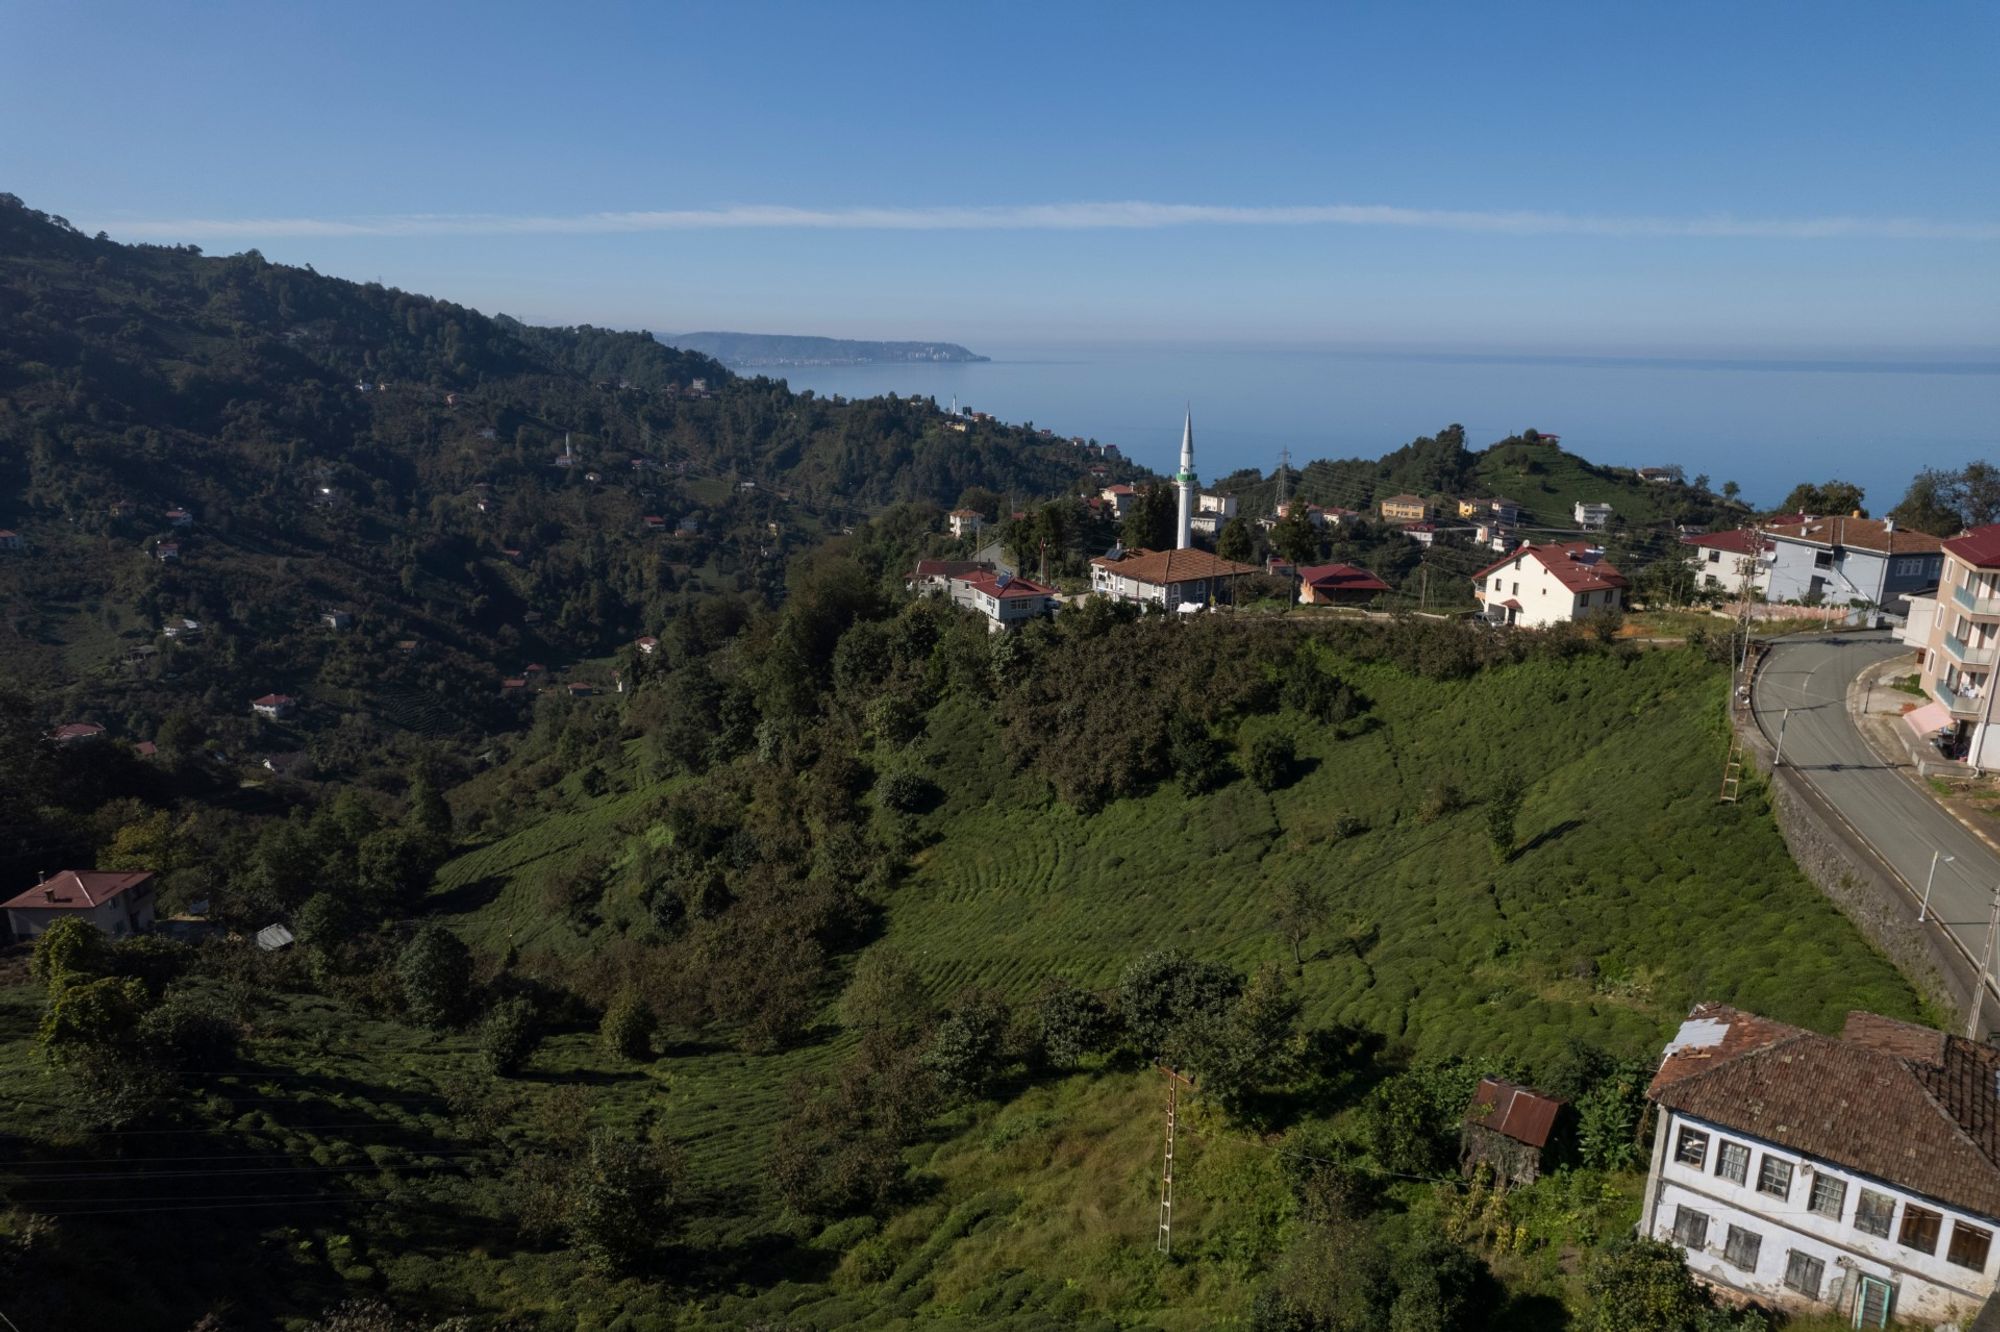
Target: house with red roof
167, 551
1856, 1175
76, 733
1006, 601
1338, 585
1559, 583
1510, 1129
9, 540
1167, 578
934, 576
1735, 562
647, 644
274, 706
1842, 561
965, 522
119, 902
1962, 650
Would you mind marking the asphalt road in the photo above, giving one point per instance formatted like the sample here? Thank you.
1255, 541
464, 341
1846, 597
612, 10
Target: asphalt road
1822, 743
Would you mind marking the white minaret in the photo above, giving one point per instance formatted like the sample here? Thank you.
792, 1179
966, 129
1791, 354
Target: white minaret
1184, 482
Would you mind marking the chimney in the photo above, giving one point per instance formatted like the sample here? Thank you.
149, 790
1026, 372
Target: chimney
1889, 526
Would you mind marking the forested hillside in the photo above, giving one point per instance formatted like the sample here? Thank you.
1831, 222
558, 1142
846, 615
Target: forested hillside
254, 447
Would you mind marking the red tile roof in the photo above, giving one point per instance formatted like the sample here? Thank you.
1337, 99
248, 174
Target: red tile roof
76, 731
272, 701
1858, 533
77, 890
1520, 1113
1342, 578
950, 568
1979, 547
1736, 541
1570, 564
1161, 567
1001, 585
1910, 1106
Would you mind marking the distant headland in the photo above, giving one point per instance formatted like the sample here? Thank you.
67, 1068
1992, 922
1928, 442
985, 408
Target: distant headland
751, 350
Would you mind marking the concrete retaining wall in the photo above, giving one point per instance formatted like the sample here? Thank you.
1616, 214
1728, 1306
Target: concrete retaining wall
1866, 890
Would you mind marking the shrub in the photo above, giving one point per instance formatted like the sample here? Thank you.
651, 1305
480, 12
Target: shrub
1273, 759
1166, 988
621, 1196
1643, 1285
904, 791
1441, 797
1195, 755
509, 1036
1073, 1023
962, 1056
190, 1031
627, 1027
435, 973
1502, 811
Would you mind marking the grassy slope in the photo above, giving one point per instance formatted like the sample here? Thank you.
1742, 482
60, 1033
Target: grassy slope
1039, 1211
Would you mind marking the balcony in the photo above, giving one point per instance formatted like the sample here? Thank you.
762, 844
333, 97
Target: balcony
1974, 604
1959, 705
1971, 656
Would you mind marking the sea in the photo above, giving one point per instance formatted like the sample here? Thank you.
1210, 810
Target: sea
1765, 424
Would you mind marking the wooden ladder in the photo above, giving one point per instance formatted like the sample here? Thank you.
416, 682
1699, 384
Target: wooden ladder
1732, 772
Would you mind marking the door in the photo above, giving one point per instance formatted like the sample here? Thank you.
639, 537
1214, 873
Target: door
1815, 590
1873, 1302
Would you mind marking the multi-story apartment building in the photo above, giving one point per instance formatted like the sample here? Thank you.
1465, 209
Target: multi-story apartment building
1858, 1176
1960, 657
1847, 561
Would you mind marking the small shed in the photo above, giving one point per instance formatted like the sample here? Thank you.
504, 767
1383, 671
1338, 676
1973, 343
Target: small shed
1510, 1128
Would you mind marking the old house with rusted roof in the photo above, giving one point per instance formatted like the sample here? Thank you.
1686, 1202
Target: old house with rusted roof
1169, 578
1510, 1128
1857, 1175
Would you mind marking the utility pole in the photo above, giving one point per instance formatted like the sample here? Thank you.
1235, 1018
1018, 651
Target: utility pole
1175, 1080
1985, 966
1929, 879
1424, 590
1284, 466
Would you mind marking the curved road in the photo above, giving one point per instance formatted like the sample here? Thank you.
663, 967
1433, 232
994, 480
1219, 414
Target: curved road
1821, 743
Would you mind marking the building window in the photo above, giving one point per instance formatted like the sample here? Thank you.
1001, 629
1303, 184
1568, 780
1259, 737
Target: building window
1829, 1196
1692, 1148
1742, 1248
1969, 1246
1774, 1176
1823, 560
1732, 1162
1873, 1213
1920, 1229
1804, 1273
1690, 1228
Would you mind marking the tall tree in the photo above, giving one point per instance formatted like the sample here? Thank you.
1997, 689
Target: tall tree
1299, 908
1827, 498
1149, 523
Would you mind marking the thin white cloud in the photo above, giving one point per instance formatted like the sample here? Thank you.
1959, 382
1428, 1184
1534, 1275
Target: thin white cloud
1130, 215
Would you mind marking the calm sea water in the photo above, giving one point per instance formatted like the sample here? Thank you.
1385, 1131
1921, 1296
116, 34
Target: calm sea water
1763, 424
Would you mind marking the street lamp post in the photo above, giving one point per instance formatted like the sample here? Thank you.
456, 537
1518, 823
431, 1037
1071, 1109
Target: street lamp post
1923, 912
1778, 754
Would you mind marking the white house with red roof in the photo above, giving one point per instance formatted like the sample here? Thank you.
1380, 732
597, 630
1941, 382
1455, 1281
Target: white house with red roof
965, 522
274, 706
647, 644
1963, 648
1736, 562
1558, 583
1840, 561
9, 540
1120, 497
76, 733
1007, 602
118, 902
1168, 578
1857, 1175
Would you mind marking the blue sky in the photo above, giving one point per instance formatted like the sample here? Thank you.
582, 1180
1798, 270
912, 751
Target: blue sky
1716, 179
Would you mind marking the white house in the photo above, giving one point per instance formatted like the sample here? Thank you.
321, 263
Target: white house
966, 522
1834, 561
1168, 578
10, 540
1554, 584
1962, 647
1591, 517
1211, 513
1120, 497
119, 903
273, 706
934, 576
1007, 602
1857, 1176
1727, 562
